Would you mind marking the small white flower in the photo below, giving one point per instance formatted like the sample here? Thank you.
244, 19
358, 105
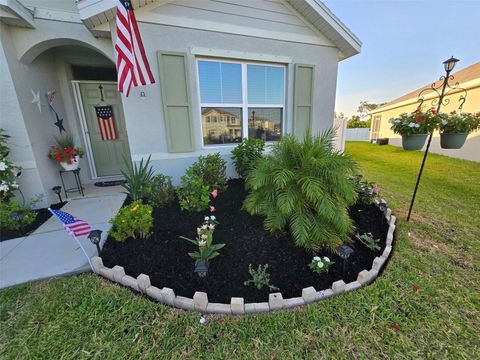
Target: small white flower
202, 243
212, 217
444, 122
204, 237
204, 226
202, 320
4, 187
211, 226
316, 258
320, 264
206, 218
199, 231
3, 166
417, 125
326, 259
411, 125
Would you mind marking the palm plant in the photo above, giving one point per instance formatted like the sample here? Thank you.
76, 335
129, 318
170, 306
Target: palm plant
138, 178
304, 187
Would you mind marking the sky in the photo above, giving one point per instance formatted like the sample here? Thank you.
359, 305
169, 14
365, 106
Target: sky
404, 45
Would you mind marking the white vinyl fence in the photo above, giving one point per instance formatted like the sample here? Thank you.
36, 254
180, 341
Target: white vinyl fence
357, 134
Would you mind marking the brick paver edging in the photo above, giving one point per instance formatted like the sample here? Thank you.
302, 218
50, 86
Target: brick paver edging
237, 306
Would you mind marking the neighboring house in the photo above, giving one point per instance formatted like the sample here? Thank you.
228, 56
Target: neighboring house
224, 70
468, 78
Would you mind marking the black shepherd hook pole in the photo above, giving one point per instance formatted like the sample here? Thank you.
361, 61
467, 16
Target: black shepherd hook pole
449, 65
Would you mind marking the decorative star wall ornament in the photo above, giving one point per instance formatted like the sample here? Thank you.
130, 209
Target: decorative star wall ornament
59, 124
36, 99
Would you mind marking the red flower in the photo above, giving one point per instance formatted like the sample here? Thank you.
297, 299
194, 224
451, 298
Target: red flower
212, 209
214, 193
433, 111
420, 120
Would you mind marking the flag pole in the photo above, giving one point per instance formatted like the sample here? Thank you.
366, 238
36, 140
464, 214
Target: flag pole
76, 239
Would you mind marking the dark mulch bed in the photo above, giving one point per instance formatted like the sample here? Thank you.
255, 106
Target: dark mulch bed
42, 216
164, 256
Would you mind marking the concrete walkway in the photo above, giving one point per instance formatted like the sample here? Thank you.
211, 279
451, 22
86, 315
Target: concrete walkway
50, 251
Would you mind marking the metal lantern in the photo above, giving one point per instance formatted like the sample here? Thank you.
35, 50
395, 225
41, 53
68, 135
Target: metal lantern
450, 64
95, 236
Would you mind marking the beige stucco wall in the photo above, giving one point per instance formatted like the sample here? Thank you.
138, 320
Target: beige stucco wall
471, 149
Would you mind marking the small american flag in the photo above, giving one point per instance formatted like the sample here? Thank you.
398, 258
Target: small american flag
51, 96
73, 225
132, 63
106, 122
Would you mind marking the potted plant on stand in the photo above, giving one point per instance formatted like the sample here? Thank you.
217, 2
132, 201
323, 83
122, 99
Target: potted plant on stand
415, 127
65, 153
454, 128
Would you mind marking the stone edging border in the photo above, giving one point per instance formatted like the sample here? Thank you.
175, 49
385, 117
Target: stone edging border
237, 306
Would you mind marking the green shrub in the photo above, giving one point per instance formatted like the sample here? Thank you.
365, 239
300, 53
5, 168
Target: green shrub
138, 178
192, 193
304, 186
366, 191
132, 221
9, 172
246, 154
259, 277
160, 191
369, 241
319, 265
14, 216
212, 169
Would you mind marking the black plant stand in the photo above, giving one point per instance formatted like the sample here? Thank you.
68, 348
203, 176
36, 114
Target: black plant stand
76, 174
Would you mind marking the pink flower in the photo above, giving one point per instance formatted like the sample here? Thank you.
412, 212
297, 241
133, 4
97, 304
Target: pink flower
375, 190
212, 209
214, 193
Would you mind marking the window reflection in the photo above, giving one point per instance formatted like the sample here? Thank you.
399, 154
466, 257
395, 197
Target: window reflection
265, 123
221, 125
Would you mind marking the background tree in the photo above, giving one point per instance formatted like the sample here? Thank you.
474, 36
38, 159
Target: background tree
365, 108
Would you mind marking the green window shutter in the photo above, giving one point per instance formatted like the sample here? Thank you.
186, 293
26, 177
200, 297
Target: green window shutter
176, 101
303, 99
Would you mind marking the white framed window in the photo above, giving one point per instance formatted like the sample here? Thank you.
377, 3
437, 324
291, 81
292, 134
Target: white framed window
249, 98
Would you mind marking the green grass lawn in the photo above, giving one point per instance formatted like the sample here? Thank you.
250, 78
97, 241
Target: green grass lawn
425, 305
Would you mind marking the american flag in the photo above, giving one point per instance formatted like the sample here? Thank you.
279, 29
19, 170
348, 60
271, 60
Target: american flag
132, 63
73, 225
106, 122
51, 96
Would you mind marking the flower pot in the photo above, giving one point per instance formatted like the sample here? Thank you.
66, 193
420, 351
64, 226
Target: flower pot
414, 141
72, 166
452, 140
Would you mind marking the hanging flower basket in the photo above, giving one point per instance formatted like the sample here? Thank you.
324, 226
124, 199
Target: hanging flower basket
414, 141
415, 127
456, 127
453, 140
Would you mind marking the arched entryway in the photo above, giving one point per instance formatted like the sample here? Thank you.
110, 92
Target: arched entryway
84, 80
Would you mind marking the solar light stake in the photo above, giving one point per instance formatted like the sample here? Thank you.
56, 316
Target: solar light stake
95, 236
344, 251
57, 190
201, 268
